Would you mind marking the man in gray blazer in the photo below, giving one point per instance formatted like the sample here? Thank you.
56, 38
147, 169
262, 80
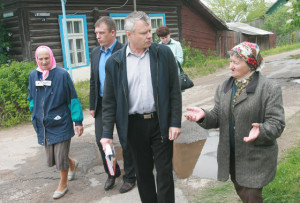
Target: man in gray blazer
105, 30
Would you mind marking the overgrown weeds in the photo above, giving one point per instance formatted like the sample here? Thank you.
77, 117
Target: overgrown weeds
197, 64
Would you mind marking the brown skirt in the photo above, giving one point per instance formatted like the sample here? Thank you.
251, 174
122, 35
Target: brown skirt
58, 154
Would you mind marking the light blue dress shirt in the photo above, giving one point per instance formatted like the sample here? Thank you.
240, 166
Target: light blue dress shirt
103, 58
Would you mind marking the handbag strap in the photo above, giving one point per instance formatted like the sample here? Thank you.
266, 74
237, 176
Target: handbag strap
181, 70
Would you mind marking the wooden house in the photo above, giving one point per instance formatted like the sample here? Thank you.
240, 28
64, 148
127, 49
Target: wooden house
35, 22
276, 5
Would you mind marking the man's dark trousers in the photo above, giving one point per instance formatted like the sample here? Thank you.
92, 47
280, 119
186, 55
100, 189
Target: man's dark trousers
128, 163
149, 148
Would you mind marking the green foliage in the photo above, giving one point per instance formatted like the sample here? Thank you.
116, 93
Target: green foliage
83, 90
296, 13
13, 93
229, 11
280, 49
155, 38
257, 9
278, 21
4, 42
286, 185
238, 10
196, 64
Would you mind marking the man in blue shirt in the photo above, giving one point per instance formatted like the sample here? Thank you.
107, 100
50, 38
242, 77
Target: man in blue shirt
105, 30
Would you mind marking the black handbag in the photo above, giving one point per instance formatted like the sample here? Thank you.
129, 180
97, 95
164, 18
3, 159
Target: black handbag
185, 81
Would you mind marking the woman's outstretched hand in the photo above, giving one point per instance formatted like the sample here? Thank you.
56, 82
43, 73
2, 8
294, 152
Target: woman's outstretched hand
253, 134
194, 114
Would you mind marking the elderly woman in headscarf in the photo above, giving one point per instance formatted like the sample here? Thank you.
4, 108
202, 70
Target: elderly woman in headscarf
55, 106
249, 113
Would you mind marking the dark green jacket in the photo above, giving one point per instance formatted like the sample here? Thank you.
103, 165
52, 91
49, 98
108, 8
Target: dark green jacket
166, 92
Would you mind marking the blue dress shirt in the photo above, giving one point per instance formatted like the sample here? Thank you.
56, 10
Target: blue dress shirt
103, 58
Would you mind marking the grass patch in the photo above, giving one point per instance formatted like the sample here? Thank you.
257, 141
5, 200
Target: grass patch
286, 185
280, 49
83, 93
207, 67
222, 193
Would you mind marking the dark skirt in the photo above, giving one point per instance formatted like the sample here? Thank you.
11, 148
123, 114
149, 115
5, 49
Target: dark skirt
58, 154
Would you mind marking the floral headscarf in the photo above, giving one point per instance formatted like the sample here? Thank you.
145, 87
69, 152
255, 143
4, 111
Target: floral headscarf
251, 54
52, 61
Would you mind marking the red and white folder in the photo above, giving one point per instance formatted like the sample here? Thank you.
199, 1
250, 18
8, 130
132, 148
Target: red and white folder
110, 157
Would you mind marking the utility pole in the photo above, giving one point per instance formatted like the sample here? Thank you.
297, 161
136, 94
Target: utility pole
66, 40
134, 5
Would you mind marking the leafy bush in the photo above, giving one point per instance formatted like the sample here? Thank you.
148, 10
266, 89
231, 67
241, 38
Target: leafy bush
278, 21
14, 107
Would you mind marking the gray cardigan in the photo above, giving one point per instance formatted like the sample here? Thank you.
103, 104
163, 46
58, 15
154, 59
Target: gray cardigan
260, 102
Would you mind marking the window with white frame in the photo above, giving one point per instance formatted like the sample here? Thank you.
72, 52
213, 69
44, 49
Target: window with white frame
157, 20
78, 41
121, 34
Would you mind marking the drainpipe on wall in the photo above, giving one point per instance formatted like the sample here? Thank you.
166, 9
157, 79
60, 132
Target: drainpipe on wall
134, 5
66, 40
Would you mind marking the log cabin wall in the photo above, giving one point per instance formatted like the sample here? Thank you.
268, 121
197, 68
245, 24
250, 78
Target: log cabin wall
30, 31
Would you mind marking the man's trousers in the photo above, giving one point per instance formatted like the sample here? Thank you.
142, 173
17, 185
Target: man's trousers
148, 149
129, 175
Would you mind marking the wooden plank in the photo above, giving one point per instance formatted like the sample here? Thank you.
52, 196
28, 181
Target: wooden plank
24, 33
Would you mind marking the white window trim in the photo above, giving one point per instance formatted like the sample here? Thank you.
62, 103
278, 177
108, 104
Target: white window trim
84, 36
74, 36
121, 33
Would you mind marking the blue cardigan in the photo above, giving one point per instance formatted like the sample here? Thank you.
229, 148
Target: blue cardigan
54, 106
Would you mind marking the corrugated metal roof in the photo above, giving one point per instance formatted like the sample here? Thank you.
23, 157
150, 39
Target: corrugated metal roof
247, 29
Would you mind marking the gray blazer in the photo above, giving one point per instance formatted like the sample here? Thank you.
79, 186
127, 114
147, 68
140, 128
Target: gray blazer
260, 102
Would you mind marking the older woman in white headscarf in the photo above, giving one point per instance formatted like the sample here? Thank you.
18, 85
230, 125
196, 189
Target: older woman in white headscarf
55, 106
249, 113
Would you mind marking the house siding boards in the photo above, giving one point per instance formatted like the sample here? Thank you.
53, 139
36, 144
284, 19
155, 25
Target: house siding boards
187, 19
29, 31
197, 30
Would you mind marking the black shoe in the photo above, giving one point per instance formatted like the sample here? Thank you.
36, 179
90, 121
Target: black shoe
126, 187
110, 182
